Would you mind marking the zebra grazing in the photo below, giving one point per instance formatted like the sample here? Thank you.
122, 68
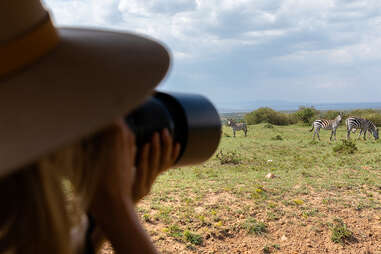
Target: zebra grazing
327, 125
354, 131
363, 124
237, 126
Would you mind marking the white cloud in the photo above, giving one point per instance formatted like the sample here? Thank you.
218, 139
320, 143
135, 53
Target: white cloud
70, 12
250, 43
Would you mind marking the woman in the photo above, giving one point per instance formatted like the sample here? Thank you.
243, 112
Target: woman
68, 175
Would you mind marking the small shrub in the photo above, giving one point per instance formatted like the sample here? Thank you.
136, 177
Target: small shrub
175, 232
346, 147
266, 250
314, 142
340, 232
146, 217
254, 227
306, 174
277, 137
268, 125
193, 238
230, 157
226, 135
298, 201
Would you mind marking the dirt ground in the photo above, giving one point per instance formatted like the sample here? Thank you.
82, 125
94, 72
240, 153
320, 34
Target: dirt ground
289, 234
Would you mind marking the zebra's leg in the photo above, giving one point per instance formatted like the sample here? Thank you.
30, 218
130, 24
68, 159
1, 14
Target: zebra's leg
245, 132
348, 133
233, 133
317, 132
330, 139
359, 134
365, 134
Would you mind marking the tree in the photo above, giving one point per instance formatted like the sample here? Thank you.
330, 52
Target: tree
306, 115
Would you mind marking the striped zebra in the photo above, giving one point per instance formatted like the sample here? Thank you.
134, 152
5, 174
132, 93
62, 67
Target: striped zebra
354, 131
363, 124
326, 125
237, 126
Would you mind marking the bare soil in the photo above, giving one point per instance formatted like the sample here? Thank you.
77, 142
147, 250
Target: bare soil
292, 233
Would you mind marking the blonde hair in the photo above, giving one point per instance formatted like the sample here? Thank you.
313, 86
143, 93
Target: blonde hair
42, 201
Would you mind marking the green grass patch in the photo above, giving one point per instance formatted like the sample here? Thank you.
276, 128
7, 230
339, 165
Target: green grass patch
277, 137
346, 147
229, 157
193, 238
254, 227
340, 233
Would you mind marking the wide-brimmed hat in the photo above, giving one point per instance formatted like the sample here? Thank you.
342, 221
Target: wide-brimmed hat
58, 85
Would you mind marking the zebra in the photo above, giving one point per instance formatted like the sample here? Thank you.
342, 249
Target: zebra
354, 131
363, 124
237, 126
327, 125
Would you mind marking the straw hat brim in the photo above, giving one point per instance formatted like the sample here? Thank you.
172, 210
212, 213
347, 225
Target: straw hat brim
89, 80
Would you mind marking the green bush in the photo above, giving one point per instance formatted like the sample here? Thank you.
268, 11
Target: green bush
268, 126
231, 157
175, 232
254, 227
193, 238
340, 232
306, 115
292, 118
226, 135
362, 112
346, 147
267, 115
330, 114
277, 137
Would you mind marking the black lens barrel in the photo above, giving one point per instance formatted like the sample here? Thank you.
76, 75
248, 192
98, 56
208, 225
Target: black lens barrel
192, 120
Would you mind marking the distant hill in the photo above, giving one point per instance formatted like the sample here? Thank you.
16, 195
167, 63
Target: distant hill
292, 106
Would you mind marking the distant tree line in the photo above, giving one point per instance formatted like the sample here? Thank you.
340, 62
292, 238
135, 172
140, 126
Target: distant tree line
306, 115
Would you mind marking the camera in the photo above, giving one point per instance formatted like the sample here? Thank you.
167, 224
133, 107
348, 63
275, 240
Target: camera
191, 119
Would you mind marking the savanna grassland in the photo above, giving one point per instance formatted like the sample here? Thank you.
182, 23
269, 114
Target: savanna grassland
321, 197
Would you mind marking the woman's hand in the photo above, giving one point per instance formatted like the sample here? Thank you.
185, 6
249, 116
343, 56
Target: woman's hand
113, 204
115, 162
154, 158
124, 178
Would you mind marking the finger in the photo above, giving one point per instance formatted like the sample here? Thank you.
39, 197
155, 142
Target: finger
132, 146
167, 149
141, 172
128, 150
143, 162
175, 153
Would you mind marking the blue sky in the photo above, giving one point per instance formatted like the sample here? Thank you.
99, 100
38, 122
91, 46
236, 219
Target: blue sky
237, 51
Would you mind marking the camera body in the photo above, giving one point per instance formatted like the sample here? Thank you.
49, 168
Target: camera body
191, 119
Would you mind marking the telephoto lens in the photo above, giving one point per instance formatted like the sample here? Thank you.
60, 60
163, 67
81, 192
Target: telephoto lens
191, 119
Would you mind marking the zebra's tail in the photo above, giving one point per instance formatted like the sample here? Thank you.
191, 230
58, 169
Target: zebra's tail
313, 126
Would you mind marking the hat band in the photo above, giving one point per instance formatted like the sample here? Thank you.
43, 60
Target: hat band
28, 48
